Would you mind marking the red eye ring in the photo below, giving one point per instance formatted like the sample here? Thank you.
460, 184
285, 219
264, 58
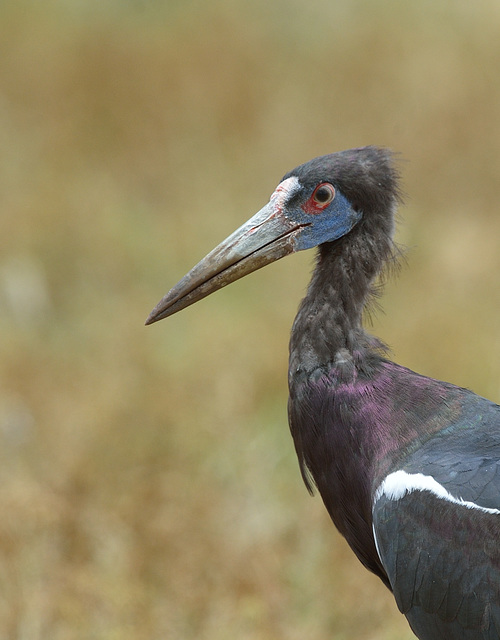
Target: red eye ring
322, 195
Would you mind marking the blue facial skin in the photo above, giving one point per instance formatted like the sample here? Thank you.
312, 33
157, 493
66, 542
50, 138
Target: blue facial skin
330, 224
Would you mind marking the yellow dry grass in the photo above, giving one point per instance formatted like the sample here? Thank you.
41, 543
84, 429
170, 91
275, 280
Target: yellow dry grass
148, 484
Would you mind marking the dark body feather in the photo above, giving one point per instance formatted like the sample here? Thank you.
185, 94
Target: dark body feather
352, 430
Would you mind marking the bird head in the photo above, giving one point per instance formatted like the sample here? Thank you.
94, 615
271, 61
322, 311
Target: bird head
319, 201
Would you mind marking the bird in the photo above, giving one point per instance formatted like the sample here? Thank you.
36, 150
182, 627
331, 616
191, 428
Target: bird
408, 467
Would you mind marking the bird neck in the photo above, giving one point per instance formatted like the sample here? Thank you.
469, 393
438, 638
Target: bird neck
328, 326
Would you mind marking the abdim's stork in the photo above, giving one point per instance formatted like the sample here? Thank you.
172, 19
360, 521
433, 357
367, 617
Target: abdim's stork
407, 466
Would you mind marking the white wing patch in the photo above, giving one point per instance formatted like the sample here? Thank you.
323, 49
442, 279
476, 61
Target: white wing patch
399, 483
396, 485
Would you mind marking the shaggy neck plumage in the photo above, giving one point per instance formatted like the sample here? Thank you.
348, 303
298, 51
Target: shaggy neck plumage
328, 326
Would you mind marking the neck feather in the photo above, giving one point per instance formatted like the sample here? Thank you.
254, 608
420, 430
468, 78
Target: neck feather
328, 326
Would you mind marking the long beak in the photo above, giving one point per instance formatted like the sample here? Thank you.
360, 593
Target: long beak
266, 237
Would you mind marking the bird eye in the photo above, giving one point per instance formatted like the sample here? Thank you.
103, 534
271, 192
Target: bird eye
320, 198
323, 195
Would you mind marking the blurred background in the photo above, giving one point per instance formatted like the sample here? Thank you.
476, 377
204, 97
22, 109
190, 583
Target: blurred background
148, 483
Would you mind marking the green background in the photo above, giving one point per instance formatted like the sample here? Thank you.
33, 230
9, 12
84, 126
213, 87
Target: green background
148, 483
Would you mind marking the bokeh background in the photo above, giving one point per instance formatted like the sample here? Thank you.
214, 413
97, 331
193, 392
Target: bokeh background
148, 483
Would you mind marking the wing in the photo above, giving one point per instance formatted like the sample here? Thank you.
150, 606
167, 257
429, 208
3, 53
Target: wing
438, 537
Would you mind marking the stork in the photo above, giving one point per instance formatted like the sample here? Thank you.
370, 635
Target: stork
408, 467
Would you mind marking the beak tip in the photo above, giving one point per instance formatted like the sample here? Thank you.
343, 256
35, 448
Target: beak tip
153, 317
